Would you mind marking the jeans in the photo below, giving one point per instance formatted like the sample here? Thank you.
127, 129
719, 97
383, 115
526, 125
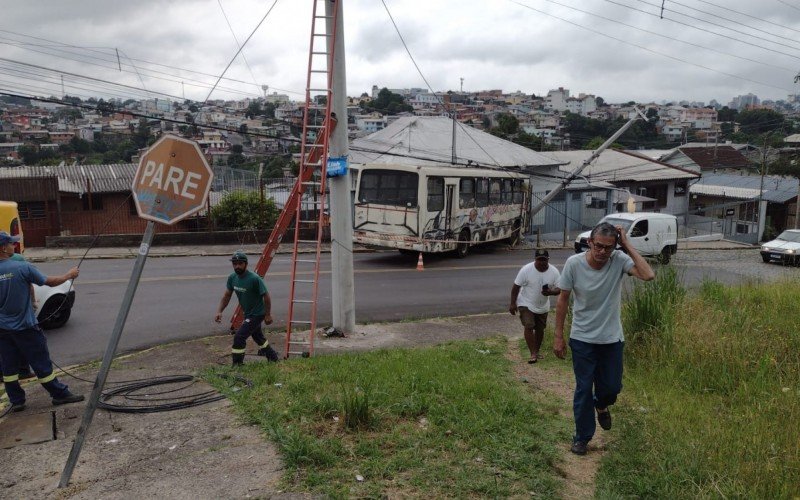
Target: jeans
598, 380
32, 344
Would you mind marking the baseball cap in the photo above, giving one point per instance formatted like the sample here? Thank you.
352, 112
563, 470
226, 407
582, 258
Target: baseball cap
239, 256
541, 252
6, 238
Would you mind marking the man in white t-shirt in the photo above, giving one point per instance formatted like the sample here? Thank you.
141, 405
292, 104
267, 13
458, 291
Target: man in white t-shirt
530, 295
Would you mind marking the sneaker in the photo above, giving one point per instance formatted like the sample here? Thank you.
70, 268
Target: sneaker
578, 447
17, 407
604, 419
69, 398
269, 353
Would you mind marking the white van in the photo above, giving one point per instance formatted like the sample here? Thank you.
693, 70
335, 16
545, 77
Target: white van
651, 234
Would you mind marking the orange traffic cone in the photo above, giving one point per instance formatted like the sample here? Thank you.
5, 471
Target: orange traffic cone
419, 263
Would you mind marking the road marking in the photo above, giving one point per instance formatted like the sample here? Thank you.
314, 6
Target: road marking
156, 279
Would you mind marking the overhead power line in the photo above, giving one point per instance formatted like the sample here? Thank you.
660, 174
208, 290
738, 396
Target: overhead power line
670, 37
724, 19
702, 29
662, 54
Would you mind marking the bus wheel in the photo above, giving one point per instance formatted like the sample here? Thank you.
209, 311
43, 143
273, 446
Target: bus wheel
462, 248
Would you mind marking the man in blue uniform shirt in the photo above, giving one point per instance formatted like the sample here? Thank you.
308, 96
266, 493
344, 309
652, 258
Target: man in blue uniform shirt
20, 334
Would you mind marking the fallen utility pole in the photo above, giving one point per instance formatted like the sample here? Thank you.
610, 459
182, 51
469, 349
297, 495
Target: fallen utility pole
577, 172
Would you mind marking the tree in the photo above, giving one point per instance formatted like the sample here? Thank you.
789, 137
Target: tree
269, 110
599, 101
253, 110
67, 115
387, 102
727, 114
760, 121
598, 141
244, 210
508, 124
236, 157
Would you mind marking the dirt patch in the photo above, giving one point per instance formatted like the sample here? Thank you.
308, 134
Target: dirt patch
578, 472
199, 452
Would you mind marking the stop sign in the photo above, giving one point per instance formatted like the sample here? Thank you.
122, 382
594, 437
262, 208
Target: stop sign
172, 181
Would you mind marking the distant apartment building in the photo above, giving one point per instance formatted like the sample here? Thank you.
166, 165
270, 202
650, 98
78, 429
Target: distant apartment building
276, 98
556, 99
742, 102
582, 105
371, 122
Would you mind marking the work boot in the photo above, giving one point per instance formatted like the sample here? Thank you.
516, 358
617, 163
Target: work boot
269, 353
17, 407
69, 398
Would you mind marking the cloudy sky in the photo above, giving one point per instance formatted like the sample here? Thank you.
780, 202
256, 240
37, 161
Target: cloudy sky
618, 49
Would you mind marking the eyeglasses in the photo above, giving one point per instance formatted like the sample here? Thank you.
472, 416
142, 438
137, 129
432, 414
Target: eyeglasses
603, 248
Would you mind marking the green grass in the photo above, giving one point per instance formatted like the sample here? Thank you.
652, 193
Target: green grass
712, 394
445, 421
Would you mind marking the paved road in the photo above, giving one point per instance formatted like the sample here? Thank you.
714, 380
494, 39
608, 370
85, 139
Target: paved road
177, 296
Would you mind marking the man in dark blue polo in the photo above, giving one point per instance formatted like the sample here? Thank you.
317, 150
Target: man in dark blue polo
20, 334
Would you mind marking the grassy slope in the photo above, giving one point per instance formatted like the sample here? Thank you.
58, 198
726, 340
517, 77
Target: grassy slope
712, 399
444, 421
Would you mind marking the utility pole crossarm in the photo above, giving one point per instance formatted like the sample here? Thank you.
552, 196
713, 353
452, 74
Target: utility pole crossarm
576, 173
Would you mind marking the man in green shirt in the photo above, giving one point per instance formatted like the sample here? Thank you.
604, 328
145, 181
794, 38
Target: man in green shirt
256, 305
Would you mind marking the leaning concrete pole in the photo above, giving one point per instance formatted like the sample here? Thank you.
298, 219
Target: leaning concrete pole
571, 177
342, 282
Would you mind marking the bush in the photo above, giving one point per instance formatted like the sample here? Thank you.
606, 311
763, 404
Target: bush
244, 210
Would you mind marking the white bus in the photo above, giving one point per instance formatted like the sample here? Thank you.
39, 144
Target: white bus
437, 209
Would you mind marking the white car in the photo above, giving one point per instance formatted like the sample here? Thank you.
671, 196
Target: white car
785, 248
54, 304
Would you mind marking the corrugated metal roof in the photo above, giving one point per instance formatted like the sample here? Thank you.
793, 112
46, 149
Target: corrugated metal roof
775, 189
615, 166
428, 140
725, 191
113, 178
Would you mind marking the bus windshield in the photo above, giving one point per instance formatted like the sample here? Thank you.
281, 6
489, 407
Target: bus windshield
389, 187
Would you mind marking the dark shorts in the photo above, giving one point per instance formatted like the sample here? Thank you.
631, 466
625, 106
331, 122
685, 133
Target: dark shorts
531, 319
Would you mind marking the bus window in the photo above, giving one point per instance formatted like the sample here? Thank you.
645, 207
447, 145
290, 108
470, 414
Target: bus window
519, 191
495, 191
389, 187
508, 191
482, 193
466, 196
435, 194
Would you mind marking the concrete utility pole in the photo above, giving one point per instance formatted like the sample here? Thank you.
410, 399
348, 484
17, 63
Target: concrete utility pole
342, 282
552, 194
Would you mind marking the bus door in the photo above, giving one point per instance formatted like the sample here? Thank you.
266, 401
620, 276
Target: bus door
449, 209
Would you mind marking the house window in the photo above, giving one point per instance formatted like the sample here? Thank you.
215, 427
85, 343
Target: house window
32, 210
680, 189
466, 193
96, 201
659, 192
435, 194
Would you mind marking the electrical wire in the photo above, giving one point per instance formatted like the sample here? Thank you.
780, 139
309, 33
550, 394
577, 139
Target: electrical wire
701, 29
441, 102
670, 37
